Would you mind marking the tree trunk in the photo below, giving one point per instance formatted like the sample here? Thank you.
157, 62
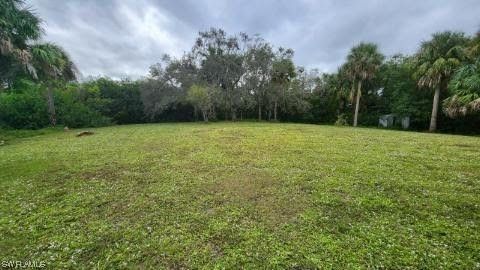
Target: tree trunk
275, 111
352, 93
259, 112
225, 109
433, 119
340, 107
357, 103
205, 116
51, 106
212, 112
234, 115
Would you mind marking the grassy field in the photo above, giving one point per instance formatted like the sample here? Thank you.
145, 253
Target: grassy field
250, 195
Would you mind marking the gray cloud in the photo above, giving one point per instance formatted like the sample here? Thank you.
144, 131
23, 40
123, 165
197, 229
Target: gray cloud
121, 38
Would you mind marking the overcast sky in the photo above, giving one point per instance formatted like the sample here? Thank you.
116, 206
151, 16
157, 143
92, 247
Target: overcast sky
122, 38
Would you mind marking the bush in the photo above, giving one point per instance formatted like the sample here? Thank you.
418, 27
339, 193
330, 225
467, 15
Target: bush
23, 109
78, 107
341, 120
79, 115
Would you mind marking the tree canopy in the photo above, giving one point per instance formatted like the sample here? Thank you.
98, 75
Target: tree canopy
239, 76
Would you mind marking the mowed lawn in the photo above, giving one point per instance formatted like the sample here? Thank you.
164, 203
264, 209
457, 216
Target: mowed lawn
241, 195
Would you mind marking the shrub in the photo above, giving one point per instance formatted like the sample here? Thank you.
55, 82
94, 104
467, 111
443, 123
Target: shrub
78, 108
23, 109
341, 120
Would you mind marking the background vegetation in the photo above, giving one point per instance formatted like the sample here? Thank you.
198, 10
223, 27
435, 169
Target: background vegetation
237, 77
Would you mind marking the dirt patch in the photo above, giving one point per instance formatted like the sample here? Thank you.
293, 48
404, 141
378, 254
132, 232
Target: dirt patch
102, 174
268, 198
247, 186
85, 133
462, 145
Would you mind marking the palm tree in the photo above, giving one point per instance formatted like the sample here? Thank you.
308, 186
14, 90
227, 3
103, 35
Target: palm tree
18, 27
52, 64
465, 87
346, 82
436, 61
473, 48
363, 62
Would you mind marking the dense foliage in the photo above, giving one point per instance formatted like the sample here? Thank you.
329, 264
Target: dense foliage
237, 77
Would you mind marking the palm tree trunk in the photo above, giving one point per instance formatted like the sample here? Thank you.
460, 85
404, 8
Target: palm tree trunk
357, 103
352, 92
433, 119
51, 106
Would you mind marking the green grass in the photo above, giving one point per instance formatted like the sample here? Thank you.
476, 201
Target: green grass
250, 195
9, 135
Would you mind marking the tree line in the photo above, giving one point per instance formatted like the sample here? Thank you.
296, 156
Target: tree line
239, 77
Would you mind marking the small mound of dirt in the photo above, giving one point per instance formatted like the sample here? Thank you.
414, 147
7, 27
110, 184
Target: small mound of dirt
85, 133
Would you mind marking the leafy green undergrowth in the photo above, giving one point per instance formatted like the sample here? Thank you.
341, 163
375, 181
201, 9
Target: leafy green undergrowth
242, 195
